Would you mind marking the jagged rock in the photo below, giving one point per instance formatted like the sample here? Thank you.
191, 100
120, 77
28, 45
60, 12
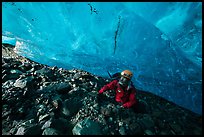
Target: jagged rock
20, 131
31, 70
13, 71
86, 127
148, 132
106, 111
6, 66
22, 83
43, 117
61, 88
57, 103
61, 125
5, 114
13, 131
6, 60
10, 76
46, 124
71, 106
21, 110
50, 131
47, 72
8, 84
22, 68
33, 130
37, 66
26, 66
77, 76
65, 111
122, 131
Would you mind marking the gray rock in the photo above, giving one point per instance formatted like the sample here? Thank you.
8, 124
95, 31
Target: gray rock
148, 132
20, 131
8, 84
86, 127
77, 76
27, 66
61, 88
47, 72
10, 76
13, 131
61, 125
22, 68
65, 111
22, 83
31, 70
21, 110
46, 125
6, 65
122, 131
33, 130
106, 111
15, 71
43, 117
71, 106
57, 103
50, 131
37, 66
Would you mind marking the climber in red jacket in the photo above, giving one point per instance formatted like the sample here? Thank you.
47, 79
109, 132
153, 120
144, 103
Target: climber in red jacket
125, 91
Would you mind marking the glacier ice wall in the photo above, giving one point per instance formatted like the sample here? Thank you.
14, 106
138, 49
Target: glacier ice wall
159, 41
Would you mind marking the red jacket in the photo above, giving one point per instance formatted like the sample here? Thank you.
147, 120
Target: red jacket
127, 98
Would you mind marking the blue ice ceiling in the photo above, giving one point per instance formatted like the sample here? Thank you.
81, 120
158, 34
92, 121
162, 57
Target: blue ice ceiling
159, 41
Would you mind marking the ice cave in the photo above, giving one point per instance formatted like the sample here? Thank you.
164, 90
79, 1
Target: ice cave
160, 42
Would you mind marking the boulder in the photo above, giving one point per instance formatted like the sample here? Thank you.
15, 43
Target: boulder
148, 132
6, 77
33, 130
71, 106
122, 131
22, 83
46, 125
50, 131
26, 66
20, 131
61, 125
61, 88
87, 127
15, 71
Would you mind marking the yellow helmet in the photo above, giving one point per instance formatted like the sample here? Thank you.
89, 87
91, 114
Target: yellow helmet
127, 74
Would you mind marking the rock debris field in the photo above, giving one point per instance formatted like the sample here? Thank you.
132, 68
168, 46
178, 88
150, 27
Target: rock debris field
41, 100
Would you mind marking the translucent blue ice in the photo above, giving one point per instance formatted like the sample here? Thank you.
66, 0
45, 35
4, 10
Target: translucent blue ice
159, 41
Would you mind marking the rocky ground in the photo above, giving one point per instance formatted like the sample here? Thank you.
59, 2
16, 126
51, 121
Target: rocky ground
42, 100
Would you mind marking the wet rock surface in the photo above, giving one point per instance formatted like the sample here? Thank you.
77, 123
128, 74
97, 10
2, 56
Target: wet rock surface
42, 100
